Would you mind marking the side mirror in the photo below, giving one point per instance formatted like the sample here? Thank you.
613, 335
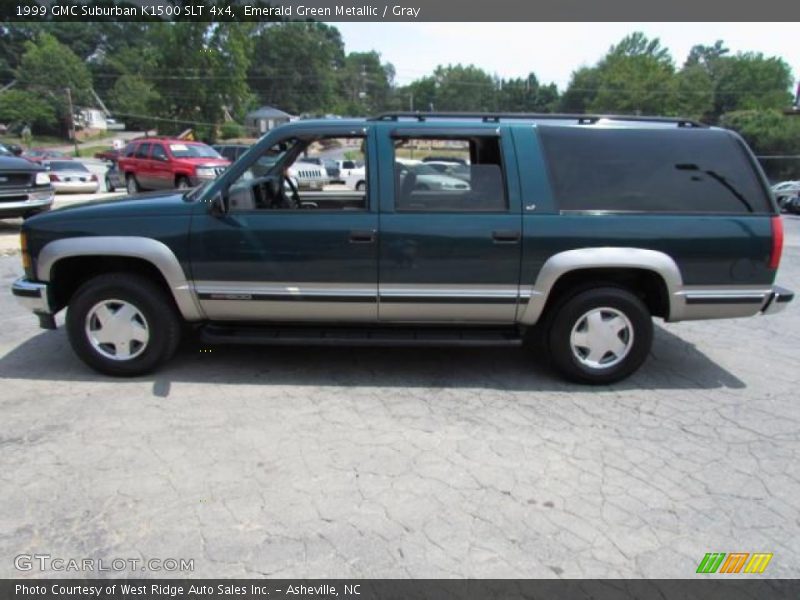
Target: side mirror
219, 204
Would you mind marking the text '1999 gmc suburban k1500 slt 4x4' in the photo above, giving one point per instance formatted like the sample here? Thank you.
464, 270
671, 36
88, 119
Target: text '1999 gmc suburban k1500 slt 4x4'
572, 230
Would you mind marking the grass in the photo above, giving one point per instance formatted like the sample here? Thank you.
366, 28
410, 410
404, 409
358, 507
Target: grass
89, 151
421, 153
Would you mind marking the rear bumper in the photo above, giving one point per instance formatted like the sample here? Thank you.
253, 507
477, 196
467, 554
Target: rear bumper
778, 299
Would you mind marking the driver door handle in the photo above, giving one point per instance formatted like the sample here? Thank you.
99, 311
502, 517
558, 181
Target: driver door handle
362, 237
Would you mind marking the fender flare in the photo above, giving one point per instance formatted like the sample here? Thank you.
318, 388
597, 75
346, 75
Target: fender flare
156, 253
601, 258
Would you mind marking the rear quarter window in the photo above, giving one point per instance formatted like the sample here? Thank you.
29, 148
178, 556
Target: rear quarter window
651, 170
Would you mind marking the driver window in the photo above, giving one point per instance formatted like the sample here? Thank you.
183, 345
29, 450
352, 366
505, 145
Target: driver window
305, 175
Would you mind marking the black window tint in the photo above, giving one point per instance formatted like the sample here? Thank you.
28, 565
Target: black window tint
143, 151
652, 170
479, 187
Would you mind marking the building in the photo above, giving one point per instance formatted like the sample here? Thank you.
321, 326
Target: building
262, 120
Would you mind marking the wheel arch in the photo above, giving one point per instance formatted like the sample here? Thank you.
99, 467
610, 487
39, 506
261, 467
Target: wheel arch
142, 254
651, 272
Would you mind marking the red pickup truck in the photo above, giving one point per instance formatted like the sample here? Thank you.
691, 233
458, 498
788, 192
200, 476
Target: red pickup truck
165, 163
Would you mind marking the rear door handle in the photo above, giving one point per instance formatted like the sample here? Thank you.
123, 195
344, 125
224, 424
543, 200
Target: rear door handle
362, 237
506, 236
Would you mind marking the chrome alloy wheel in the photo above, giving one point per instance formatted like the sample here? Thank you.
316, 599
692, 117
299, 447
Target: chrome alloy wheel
601, 338
117, 329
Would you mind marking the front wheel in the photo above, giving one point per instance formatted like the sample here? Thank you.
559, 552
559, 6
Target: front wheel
131, 184
182, 183
109, 185
122, 324
600, 336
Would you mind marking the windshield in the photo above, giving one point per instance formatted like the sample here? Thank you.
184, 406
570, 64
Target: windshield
193, 151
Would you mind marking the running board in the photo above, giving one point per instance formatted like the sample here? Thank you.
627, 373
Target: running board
357, 336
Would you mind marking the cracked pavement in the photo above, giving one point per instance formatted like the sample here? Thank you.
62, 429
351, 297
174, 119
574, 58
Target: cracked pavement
298, 462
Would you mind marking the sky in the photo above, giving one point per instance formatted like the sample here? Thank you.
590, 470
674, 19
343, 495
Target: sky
550, 50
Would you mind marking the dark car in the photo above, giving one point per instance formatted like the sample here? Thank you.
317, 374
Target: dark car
573, 234
114, 179
25, 188
231, 151
39, 155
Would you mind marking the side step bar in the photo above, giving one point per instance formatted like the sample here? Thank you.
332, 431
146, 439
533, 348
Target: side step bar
356, 336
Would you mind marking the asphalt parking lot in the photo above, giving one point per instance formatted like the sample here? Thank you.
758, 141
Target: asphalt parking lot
295, 462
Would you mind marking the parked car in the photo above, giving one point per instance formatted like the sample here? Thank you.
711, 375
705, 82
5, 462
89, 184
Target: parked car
355, 178
10, 150
110, 154
452, 169
114, 179
25, 188
426, 177
792, 205
38, 155
4, 151
331, 167
165, 163
574, 234
446, 159
309, 176
231, 151
785, 191
71, 176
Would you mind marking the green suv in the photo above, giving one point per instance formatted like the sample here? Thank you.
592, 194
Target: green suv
571, 231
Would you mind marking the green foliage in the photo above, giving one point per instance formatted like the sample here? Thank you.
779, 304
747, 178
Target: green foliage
230, 130
134, 99
19, 107
769, 133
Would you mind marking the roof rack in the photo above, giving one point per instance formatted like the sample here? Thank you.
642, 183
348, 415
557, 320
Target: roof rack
487, 117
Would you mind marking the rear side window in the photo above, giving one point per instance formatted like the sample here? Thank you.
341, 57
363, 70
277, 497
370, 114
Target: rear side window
142, 151
477, 186
651, 170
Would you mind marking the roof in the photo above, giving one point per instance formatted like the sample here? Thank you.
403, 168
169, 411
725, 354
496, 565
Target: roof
268, 112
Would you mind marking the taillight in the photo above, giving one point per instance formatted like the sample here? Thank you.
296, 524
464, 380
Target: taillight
93, 177
54, 177
777, 242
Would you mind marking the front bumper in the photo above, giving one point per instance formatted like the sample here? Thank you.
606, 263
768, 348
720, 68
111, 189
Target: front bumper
778, 299
33, 296
23, 202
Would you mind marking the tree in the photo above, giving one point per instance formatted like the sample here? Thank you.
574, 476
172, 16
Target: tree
295, 65
134, 99
19, 106
48, 68
526, 95
464, 88
365, 84
769, 133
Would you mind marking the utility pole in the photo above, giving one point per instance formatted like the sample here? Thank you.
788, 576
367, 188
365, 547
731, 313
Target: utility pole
72, 121
411, 102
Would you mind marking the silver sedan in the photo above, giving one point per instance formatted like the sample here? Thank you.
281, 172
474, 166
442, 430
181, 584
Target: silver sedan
71, 176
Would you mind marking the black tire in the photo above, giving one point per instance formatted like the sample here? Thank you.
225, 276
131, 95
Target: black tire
132, 184
182, 183
361, 186
109, 186
569, 315
154, 305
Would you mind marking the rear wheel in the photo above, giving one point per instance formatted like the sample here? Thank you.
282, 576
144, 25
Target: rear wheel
109, 185
361, 186
122, 324
600, 336
131, 184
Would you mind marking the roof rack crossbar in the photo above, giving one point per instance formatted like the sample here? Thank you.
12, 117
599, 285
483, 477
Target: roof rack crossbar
489, 117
